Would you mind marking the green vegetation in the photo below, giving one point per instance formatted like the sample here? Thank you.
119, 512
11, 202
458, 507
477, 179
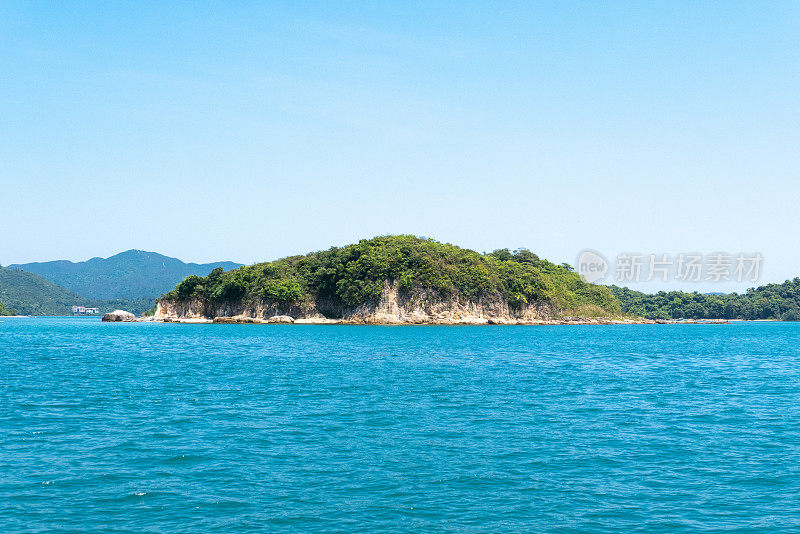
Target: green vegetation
772, 301
342, 278
26, 293
339, 279
130, 275
129, 281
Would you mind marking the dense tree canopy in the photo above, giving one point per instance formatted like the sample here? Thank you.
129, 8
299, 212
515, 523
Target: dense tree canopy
355, 275
771, 301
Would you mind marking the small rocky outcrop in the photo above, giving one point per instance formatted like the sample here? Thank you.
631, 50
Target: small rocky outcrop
119, 316
281, 319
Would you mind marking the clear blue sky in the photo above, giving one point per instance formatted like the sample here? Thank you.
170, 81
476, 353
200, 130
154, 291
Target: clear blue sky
250, 131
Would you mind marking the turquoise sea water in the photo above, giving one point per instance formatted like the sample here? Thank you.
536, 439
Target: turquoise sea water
242, 428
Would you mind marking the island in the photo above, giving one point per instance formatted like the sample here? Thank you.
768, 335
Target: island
400, 279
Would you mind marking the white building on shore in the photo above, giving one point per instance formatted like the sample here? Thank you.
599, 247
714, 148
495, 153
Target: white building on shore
82, 310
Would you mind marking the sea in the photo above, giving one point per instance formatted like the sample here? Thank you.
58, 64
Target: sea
149, 427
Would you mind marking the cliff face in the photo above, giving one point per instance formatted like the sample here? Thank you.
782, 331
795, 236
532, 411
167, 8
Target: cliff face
393, 307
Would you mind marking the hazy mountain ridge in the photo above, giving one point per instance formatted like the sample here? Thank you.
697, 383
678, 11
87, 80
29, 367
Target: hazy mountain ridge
133, 274
24, 293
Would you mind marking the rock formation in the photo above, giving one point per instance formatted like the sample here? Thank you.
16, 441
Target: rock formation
119, 316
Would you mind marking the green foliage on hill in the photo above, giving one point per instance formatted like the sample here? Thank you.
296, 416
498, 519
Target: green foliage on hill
772, 301
27, 293
355, 275
134, 274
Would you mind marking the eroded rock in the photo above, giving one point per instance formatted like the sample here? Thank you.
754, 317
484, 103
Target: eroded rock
119, 316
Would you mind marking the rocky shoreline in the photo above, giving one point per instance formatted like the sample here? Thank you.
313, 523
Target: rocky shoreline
476, 321
393, 308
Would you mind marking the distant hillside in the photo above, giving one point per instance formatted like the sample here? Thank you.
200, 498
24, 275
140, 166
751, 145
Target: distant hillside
24, 293
771, 301
29, 294
134, 274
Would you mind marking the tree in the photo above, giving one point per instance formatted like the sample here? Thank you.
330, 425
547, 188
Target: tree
791, 315
523, 255
188, 286
502, 254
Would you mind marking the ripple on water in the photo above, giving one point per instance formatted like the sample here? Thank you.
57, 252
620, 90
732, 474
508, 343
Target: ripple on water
582, 429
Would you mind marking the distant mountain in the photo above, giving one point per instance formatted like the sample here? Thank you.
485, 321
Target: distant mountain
29, 294
134, 274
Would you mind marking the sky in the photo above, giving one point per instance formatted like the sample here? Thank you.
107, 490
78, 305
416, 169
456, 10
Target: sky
249, 131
